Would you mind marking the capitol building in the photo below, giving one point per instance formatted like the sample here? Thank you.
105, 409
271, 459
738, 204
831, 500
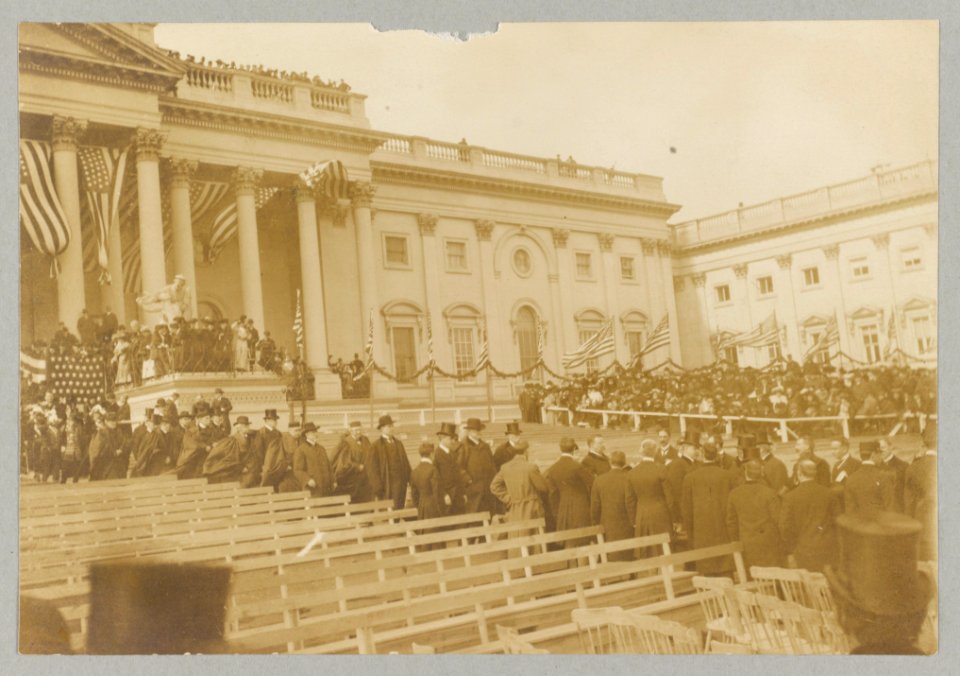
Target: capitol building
438, 244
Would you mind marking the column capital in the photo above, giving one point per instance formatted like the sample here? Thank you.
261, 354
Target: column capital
785, 261
302, 192
484, 230
181, 170
664, 247
831, 252
427, 224
881, 241
699, 279
66, 132
740, 270
245, 180
560, 237
678, 282
148, 142
606, 241
649, 245
361, 193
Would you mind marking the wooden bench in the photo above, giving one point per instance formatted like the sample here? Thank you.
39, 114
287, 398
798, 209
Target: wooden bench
93, 499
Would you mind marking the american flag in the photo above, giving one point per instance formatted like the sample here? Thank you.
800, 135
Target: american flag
830, 336
767, 333
540, 339
483, 359
369, 346
595, 346
33, 368
224, 225
893, 345
298, 325
82, 376
659, 338
41, 213
103, 170
328, 178
429, 339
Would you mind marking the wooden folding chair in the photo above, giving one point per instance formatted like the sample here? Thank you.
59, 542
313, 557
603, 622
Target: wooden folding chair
718, 608
593, 627
785, 583
818, 592
724, 648
802, 627
765, 636
514, 645
650, 635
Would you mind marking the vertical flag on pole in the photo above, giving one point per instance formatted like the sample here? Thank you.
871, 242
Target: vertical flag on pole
298, 325
893, 345
103, 170
483, 360
429, 339
540, 341
369, 346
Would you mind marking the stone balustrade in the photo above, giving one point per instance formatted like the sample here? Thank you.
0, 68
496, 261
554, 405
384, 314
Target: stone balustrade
916, 179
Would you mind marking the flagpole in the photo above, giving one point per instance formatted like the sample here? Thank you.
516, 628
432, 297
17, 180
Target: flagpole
487, 373
370, 368
432, 375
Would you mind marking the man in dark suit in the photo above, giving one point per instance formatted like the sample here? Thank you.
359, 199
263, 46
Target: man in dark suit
476, 459
509, 448
895, 466
262, 440
807, 520
391, 468
753, 518
846, 464
677, 469
608, 505
704, 508
569, 483
870, 489
805, 451
649, 498
665, 450
350, 464
425, 486
920, 496
596, 461
446, 459
311, 465
774, 470
222, 404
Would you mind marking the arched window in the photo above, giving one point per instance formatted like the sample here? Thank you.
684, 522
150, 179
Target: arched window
526, 331
589, 323
403, 320
636, 327
463, 332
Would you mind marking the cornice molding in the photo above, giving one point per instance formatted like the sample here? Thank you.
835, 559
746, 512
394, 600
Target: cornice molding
109, 74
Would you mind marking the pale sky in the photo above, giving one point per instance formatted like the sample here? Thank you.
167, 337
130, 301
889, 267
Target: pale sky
755, 110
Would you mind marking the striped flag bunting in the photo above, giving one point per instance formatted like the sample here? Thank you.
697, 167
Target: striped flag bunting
726, 339
102, 170
540, 339
483, 359
33, 368
659, 338
892, 343
765, 334
224, 225
77, 375
595, 346
830, 336
368, 348
41, 213
429, 338
328, 178
298, 325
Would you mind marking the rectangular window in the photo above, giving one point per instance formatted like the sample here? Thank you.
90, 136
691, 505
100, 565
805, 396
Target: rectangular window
723, 293
396, 248
463, 359
911, 258
585, 335
456, 255
730, 355
626, 268
404, 351
634, 342
859, 268
922, 335
871, 343
811, 276
765, 285
584, 265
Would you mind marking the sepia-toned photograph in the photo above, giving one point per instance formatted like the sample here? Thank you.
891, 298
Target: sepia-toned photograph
564, 338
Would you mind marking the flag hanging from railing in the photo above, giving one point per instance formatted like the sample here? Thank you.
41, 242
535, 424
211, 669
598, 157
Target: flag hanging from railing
829, 337
893, 344
41, 213
102, 170
659, 338
298, 326
595, 346
80, 376
33, 368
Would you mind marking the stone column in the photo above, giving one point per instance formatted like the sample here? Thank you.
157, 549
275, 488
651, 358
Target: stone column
431, 283
654, 295
699, 283
116, 299
368, 260
787, 309
610, 285
832, 254
493, 321
566, 329
182, 224
71, 298
245, 182
665, 251
743, 296
153, 269
881, 243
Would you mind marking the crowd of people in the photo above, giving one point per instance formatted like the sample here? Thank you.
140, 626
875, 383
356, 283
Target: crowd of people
354, 381
257, 69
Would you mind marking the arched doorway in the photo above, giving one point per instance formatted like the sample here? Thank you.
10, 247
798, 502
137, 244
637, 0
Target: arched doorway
527, 340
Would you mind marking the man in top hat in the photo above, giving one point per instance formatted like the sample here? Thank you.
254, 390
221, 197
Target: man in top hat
880, 596
806, 451
155, 452
703, 505
350, 464
897, 467
807, 514
139, 434
870, 489
220, 423
505, 451
753, 518
920, 494
609, 505
476, 460
596, 461
425, 485
446, 459
390, 466
222, 404
774, 469
649, 498
520, 488
278, 461
108, 455
262, 439
747, 449
569, 484
251, 453
198, 436
45, 452
311, 465
665, 450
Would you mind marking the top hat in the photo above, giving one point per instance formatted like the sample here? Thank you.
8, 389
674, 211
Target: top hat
475, 424
691, 437
271, 414
868, 448
384, 421
309, 427
449, 429
877, 564
242, 420
356, 423
746, 441
568, 445
513, 428
762, 437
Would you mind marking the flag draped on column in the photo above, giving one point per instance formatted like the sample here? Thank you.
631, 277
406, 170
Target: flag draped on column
659, 338
483, 359
540, 339
103, 170
224, 225
595, 346
328, 178
41, 213
765, 334
298, 326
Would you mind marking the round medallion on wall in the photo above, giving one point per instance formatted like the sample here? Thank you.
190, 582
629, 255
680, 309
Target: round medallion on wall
522, 263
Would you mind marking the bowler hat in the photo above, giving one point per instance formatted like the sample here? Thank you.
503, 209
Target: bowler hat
474, 424
877, 564
271, 414
309, 427
568, 445
384, 421
242, 420
868, 448
448, 429
513, 428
